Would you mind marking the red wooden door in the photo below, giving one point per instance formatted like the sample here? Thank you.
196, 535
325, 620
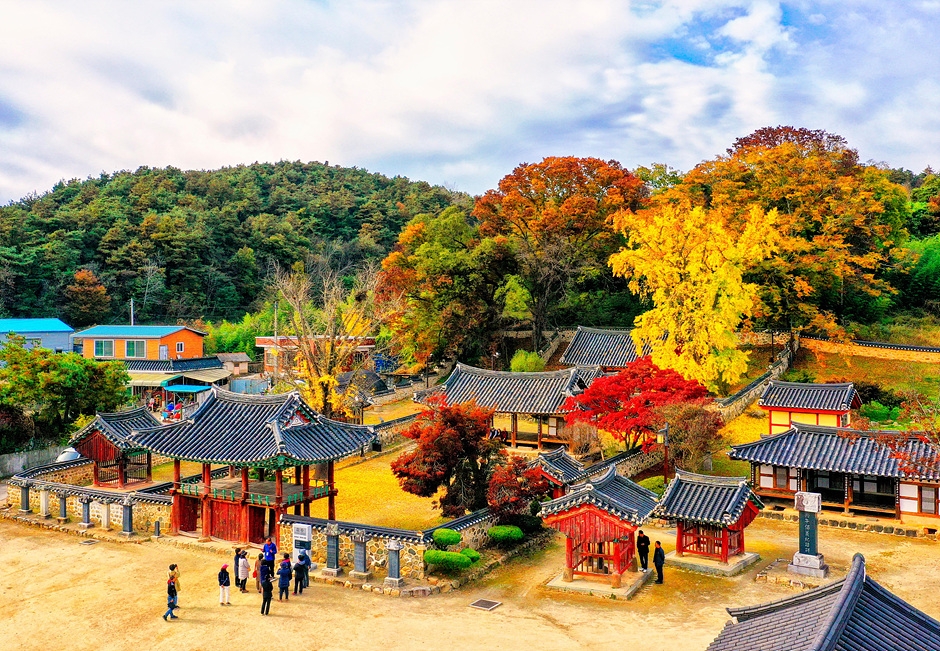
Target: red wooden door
226, 520
190, 508
255, 524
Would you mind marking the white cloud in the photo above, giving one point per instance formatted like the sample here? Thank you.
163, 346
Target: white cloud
444, 91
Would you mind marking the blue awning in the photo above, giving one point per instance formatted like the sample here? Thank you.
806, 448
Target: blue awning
186, 388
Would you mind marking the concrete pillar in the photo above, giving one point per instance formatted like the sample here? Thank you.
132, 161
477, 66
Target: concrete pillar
24, 499
86, 522
105, 515
63, 508
44, 503
360, 556
394, 580
127, 519
332, 551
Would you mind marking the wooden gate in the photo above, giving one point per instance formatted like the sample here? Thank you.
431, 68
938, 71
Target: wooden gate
226, 520
256, 524
190, 508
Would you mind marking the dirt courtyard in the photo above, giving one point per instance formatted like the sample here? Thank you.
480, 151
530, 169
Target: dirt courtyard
59, 594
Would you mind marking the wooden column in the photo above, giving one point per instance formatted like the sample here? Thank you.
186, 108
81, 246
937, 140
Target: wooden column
149, 467
246, 509
94, 474
260, 474
278, 504
231, 472
175, 492
206, 502
897, 499
306, 484
724, 544
741, 540
331, 485
569, 560
538, 418
680, 547
848, 493
122, 471
514, 419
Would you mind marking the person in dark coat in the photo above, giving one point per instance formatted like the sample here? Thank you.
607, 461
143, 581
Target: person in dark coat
170, 599
284, 575
659, 559
300, 571
238, 553
266, 573
267, 591
225, 583
307, 565
643, 549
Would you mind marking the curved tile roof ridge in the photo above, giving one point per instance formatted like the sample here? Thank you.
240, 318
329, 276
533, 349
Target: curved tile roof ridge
827, 637
710, 479
123, 415
621, 331
475, 370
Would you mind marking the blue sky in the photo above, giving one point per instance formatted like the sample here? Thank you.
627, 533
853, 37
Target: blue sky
456, 93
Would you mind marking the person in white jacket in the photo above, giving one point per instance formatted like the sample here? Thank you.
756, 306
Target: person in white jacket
242, 571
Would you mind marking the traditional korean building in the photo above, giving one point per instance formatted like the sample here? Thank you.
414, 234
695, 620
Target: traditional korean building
599, 519
269, 443
710, 513
854, 614
851, 469
612, 350
117, 460
539, 395
561, 470
811, 404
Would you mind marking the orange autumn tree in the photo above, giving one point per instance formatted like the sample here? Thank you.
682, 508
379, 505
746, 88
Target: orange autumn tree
839, 222
557, 214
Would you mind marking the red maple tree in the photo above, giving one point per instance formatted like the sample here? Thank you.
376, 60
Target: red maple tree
513, 486
454, 453
626, 404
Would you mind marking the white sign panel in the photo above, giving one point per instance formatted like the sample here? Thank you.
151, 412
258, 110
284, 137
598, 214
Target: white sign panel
807, 502
303, 532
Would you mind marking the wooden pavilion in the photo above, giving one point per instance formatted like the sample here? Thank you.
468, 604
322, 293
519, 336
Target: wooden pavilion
271, 441
854, 614
540, 395
710, 513
117, 461
599, 519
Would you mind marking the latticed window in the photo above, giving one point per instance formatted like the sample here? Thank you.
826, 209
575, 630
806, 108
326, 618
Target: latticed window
928, 500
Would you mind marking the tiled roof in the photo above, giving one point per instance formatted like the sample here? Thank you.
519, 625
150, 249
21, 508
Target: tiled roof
600, 347
240, 429
615, 494
701, 498
834, 449
33, 325
568, 470
854, 614
817, 397
118, 426
172, 365
133, 332
233, 357
505, 392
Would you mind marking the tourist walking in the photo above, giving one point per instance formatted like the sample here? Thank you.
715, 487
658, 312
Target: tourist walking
283, 579
174, 574
300, 571
643, 549
267, 592
241, 571
659, 559
270, 552
224, 583
170, 599
257, 571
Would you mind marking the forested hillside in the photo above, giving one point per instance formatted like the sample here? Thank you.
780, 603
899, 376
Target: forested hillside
194, 244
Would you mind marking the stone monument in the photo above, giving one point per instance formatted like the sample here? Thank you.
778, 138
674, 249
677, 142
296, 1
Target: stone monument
808, 561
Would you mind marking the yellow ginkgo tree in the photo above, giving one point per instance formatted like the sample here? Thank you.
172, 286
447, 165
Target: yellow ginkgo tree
690, 264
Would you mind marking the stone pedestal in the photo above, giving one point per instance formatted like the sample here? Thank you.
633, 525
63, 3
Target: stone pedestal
360, 561
24, 500
332, 552
44, 503
809, 565
394, 580
127, 518
86, 522
63, 509
568, 575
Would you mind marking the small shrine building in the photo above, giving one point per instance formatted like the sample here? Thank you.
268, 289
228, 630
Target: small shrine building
787, 403
539, 395
117, 460
854, 614
711, 514
561, 470
609, 349
268, 443
599, 519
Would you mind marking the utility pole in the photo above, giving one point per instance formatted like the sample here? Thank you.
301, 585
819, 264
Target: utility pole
276, 352
132, 311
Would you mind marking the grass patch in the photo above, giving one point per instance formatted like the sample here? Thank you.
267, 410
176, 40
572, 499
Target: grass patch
896, 375
391, 411
902, 329
164, 472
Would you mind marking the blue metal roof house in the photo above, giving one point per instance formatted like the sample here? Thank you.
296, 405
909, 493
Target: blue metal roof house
42, 333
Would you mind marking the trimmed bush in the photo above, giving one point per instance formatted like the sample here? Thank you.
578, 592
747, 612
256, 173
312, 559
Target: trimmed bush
655, 484
505, 535
472, 554
447, 561
445, 538
528, 523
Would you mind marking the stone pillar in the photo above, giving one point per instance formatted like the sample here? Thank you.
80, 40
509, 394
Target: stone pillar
24, 499
127, 519
44, 502
360, 556
394, 580
105, 515
63, 508
86, 522
808, 561
332, 551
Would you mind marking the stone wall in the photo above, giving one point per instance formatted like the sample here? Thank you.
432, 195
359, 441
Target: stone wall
882, 351
15, 463
733, 406
633, 466
81, 474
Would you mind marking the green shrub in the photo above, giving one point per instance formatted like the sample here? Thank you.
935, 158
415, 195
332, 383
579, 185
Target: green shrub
528, 523
525, 362
472, 554
447, 561
655, 484
445, 538
798, 375
879, 413
505, 535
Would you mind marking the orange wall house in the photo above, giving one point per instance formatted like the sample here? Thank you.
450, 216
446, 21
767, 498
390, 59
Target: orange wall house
829, 405
140, 342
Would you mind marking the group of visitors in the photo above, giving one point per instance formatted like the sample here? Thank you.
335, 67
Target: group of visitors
659, 555
264, 573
